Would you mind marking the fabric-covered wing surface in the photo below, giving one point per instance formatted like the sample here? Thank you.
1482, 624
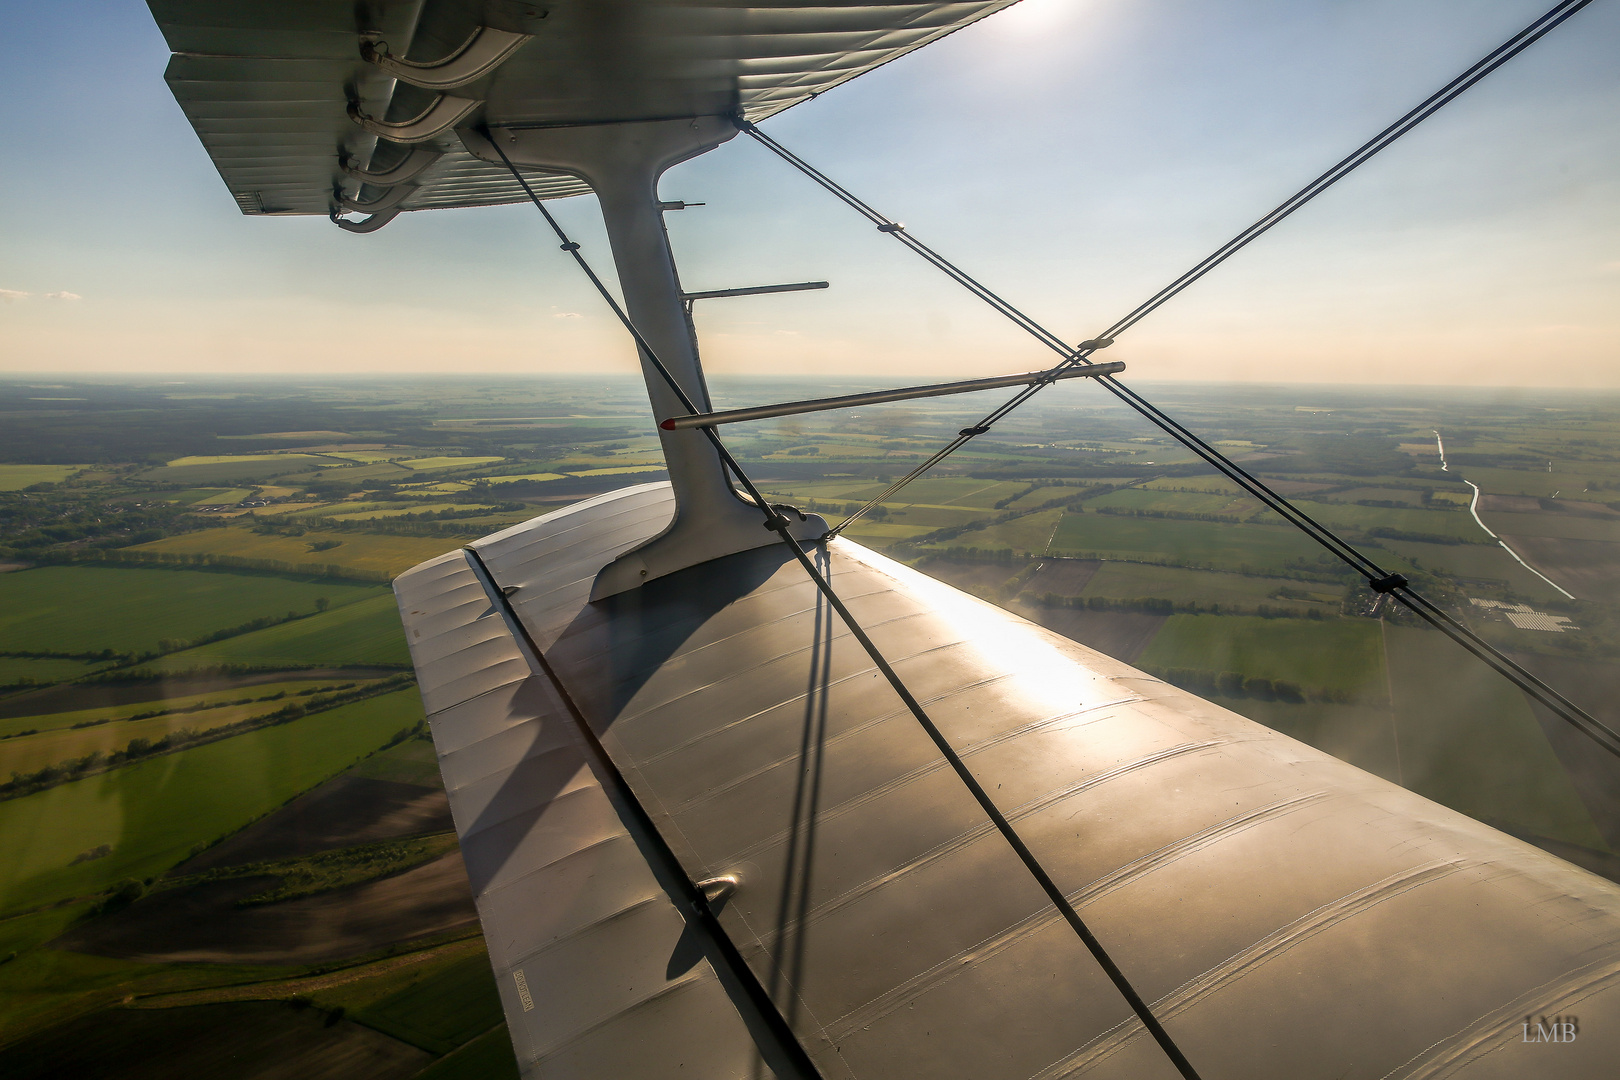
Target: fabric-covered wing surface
269, 86
587, 947
1287, 915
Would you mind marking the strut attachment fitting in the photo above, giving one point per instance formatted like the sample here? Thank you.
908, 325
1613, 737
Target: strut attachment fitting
445, 113
483, 52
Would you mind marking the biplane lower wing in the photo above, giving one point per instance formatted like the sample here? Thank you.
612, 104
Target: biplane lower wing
1284, 914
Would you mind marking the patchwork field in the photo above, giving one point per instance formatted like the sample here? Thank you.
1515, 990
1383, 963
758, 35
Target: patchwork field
362, 634
360, 551
151, 814
1125, 581
1188, 543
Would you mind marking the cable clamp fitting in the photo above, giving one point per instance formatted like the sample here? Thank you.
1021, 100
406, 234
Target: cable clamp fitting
1093, 344
1387, 584
570, 246
969, 432
892, 227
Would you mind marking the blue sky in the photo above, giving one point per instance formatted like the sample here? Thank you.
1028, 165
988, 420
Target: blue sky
1074, 154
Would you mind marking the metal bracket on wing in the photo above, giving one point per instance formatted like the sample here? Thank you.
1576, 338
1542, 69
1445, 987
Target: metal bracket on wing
445, 113
365, 225
905, 393
388, 200
479, 55
413, 166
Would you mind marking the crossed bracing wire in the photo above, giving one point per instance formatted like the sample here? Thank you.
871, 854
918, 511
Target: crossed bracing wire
1379, 579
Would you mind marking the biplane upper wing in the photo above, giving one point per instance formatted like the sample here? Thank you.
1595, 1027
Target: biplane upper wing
288, 109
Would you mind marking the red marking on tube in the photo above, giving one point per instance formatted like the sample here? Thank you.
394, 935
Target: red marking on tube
668, 425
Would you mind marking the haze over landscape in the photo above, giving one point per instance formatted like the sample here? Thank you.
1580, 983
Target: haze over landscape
1075, 154
226, 846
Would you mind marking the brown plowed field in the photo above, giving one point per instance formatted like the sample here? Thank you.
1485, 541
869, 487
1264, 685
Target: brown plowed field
342, 812
248, 1040
202, 924
1588, 568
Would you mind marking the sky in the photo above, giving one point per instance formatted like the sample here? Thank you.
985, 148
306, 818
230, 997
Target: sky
1075, 155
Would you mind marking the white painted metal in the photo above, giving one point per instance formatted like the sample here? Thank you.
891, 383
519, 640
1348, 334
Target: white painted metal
622, 164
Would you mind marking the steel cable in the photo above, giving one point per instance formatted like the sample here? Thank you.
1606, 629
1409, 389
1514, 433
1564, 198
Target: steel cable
1079, 354
1377, 577
778, 524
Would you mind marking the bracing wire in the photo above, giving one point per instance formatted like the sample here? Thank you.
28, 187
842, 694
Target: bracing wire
1378, 579
1080, 354
778, 524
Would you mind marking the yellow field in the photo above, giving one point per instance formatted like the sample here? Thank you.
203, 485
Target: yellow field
30, 753
534, 476
619, 470
17, 477
390, 554
54, 721
447, 462
233, 459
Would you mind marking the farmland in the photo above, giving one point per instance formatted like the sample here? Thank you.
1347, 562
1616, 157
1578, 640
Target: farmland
363, 634
151, 814
86, 609
185, 587
386, 555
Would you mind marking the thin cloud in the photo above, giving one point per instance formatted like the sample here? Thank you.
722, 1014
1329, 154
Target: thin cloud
13, 295
568, 315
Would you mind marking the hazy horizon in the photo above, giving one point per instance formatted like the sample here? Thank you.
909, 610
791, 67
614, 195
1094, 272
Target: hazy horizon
1074, 155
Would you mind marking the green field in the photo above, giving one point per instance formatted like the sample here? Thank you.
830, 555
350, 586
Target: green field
209, 496
488, 1057
1178, 502
438, 1010
1468, 739
1194, 543
153, 813
1434, 522
61, 743
1128, 581
89, 608
1031, 533
1340, 654
17, 477
367, 633
360, 551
